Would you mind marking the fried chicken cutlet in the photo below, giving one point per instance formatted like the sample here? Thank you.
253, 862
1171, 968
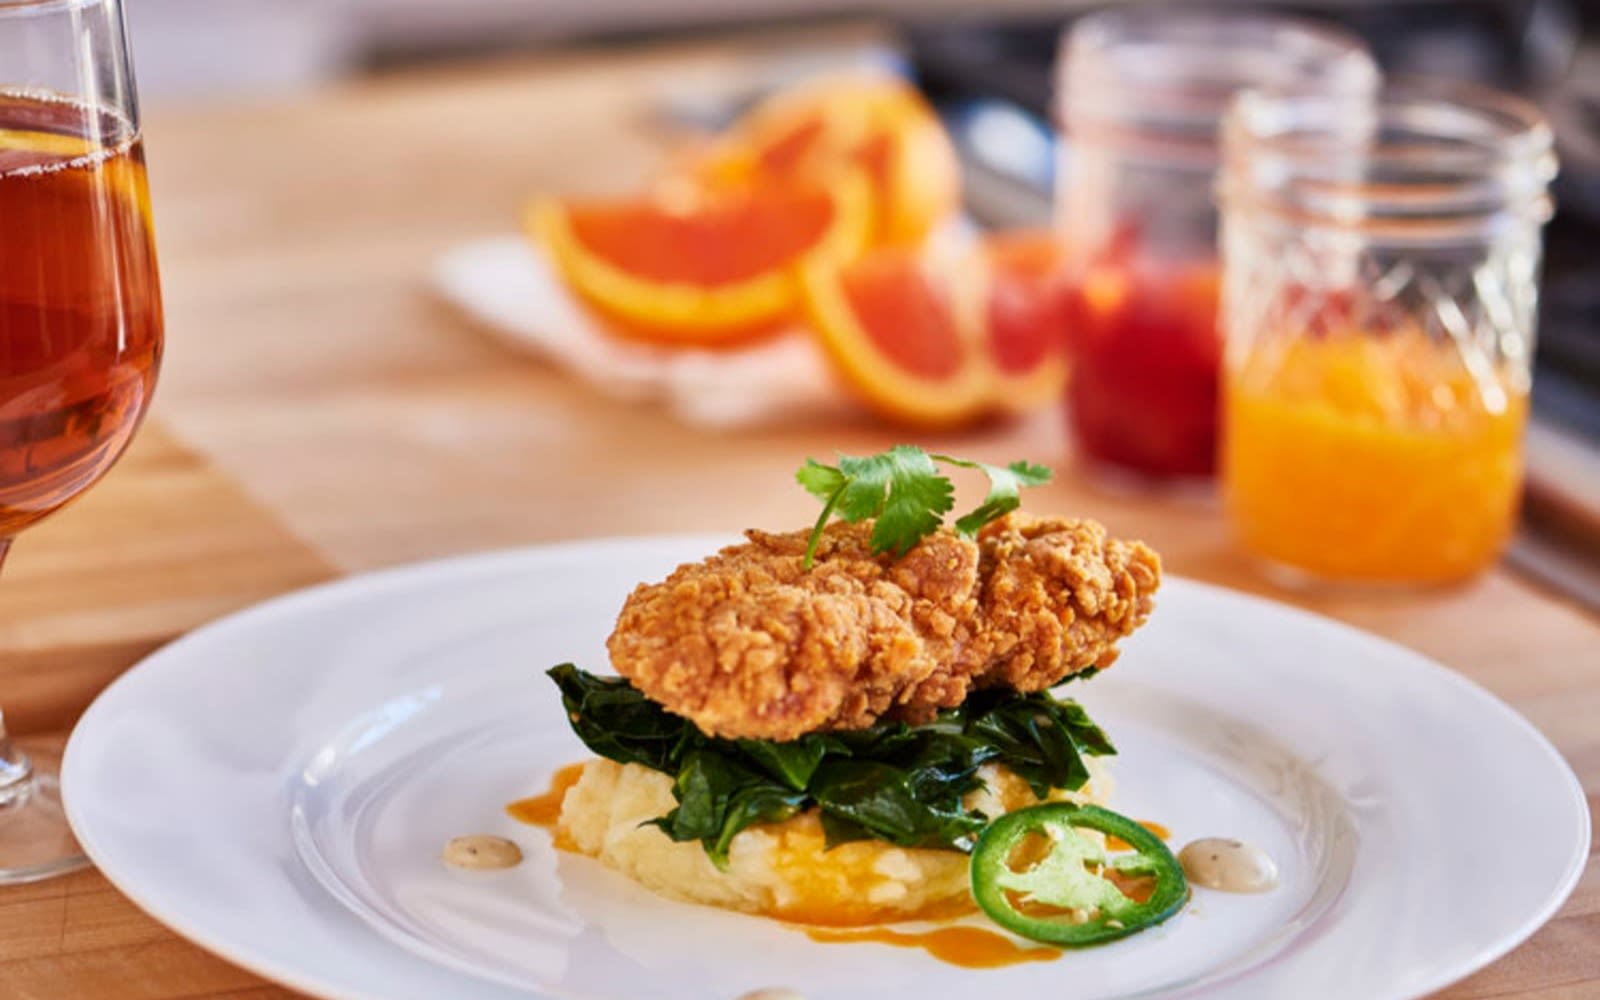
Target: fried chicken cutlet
750, 645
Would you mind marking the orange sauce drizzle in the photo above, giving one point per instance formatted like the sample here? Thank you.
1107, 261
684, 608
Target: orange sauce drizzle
544, 809
967, 947
844, 914
1118, 844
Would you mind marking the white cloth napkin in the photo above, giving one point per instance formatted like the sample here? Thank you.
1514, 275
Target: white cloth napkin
508, 285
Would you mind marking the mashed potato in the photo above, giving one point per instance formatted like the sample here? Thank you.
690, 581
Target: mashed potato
780, 869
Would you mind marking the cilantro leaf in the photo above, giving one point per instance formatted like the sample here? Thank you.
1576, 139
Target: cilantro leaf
918, 496
1005, 489
908, 496
875, 479
821, 481
915, 509
901, 488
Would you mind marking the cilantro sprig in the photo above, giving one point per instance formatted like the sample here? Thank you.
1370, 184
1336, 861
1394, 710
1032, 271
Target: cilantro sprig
907, 495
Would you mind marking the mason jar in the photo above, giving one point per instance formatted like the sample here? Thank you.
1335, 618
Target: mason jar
1380, 279
1142, 94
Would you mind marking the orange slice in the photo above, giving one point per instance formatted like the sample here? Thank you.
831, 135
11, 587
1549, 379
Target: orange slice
706, 267
121, 171
1023, 316
872, 123
888, 324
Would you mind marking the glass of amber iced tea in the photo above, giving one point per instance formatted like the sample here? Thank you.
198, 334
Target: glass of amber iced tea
80, 318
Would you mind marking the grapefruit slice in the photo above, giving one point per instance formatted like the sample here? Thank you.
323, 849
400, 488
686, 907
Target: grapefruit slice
871, 123
707, 267
1023, 316
889, 326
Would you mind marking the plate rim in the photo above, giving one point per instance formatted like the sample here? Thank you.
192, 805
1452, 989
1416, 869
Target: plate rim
374, 582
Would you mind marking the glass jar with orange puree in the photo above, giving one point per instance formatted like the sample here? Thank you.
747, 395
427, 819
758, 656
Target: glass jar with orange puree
1380, 270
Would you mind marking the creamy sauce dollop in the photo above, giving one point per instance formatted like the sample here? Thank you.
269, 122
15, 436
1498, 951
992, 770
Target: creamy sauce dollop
482, 852
1228, 865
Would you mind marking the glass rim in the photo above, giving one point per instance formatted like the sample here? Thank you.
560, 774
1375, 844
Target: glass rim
1518, 125
1432, 159
1104, 54
1200, 23
1157, 82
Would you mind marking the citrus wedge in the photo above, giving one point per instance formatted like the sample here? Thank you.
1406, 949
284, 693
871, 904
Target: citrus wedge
1023, 316
48, 143
872, 123
122, 173
889, 326
706, 267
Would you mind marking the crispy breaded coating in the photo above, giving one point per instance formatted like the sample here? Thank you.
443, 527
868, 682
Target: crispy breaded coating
748, 645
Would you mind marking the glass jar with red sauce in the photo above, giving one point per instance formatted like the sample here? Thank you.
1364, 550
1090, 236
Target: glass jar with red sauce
1142, 96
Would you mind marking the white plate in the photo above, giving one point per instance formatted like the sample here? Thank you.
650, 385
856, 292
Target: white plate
277, 787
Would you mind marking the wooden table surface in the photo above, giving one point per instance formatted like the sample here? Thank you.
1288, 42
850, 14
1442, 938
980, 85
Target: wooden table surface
322, 413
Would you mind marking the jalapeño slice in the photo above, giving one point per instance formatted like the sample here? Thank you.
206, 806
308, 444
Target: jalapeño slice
1067, 880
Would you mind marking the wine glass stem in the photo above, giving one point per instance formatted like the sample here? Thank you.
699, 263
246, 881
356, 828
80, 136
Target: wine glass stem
16, 770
